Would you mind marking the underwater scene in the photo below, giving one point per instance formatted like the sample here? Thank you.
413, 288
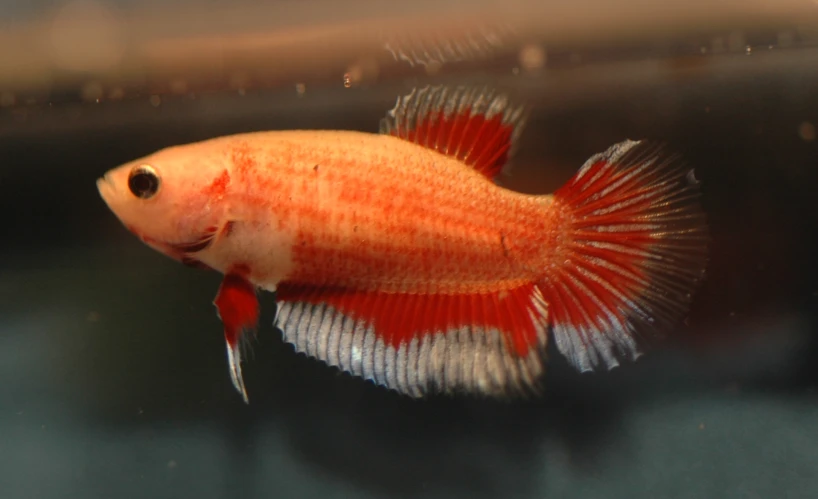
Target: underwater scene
427, 249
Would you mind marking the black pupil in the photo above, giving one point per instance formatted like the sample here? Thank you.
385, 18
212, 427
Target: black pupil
143, 183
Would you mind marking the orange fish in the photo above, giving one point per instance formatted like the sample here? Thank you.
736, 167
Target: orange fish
396, 257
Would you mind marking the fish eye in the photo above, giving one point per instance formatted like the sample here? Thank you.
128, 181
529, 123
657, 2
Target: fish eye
143, 181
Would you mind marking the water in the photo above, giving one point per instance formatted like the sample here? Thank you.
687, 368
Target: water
112, 356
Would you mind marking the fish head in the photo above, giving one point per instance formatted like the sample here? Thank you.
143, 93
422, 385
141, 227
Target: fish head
173, 200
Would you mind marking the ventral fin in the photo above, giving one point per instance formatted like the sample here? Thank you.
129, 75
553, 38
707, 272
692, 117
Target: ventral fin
475, 125
237, 306
490, 343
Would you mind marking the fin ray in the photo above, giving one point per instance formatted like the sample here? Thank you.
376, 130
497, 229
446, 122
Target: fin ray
421, 343
437, 46
237, 307
636, 250
474, 125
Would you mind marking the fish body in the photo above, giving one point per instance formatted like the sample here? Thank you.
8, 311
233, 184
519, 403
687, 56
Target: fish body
396, 257
372, 212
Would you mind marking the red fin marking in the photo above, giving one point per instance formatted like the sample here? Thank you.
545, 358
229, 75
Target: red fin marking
398, 317
416, 343
635, 250
237, 306
476, 126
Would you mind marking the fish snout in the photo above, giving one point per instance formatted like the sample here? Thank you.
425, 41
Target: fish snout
105, 186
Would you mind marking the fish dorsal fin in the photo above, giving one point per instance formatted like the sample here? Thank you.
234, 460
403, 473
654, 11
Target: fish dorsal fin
490, 343
474, 125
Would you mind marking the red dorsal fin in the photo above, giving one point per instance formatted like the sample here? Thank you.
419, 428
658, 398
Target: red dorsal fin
635, 250
475, 125
488, 343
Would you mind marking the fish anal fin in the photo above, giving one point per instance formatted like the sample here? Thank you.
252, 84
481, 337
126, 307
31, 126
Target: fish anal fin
477, 126
488, 343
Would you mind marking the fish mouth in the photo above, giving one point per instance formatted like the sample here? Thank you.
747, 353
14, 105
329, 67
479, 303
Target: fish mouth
105, 187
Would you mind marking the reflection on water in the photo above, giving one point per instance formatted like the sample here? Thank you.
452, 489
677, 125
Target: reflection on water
112, 355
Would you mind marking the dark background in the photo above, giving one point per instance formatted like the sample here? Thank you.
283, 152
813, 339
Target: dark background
114, 379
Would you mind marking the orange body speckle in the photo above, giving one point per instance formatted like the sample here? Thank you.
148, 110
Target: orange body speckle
218, 188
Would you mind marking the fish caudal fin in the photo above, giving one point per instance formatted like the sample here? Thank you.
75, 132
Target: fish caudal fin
635, 248
474, 125
237, 307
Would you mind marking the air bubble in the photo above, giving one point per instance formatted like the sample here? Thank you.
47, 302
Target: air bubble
532, 57
363, 70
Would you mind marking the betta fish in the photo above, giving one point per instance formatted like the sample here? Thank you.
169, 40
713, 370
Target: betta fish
397, 257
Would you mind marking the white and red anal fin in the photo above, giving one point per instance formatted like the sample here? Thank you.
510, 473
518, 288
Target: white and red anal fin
417, 344
237, 307
635, 250
475, 125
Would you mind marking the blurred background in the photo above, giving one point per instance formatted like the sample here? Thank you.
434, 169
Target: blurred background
114, 379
